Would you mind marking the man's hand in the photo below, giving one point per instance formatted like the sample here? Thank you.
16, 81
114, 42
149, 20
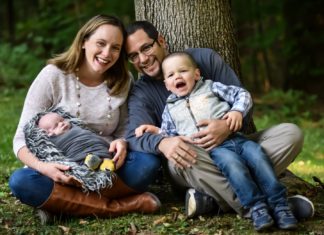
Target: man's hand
215, 132
177, 151
234, 120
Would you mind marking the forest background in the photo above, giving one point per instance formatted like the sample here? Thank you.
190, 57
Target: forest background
281, 45
280, 42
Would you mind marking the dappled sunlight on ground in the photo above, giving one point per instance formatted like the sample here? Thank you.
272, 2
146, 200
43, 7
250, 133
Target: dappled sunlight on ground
306, 170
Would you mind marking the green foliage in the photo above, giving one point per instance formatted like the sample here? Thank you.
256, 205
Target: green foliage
310, 161
280, 45
302, 109
52, 30
45, 28
289, 106
10, 105
260, 28
18, 65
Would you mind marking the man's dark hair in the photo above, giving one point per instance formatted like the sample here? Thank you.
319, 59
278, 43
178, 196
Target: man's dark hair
148, 28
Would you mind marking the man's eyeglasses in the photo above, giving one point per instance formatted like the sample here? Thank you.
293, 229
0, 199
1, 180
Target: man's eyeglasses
147, 49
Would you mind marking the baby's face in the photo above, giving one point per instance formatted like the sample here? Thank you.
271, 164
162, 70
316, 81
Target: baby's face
54, 124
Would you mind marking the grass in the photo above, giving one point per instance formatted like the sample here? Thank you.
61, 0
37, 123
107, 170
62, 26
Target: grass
16, 218
310, 162
308, 114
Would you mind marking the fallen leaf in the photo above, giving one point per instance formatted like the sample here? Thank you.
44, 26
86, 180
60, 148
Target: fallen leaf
181, 216
2, 201
66, 230
17, 202
82, 221
174, 216
160, 220
201, 218
194, 231
133, 229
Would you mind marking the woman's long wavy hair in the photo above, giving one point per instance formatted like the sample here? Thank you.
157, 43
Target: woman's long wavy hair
117, 76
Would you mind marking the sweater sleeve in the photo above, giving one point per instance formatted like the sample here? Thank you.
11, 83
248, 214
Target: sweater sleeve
168, 127
239, 98
141, 111
39, 98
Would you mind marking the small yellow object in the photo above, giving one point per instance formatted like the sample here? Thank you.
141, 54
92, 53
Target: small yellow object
92, 161
107, 164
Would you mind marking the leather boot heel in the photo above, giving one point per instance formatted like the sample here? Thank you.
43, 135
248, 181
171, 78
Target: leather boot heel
147, 202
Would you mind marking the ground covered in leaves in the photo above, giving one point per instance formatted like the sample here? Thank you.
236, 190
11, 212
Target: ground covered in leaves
16, 218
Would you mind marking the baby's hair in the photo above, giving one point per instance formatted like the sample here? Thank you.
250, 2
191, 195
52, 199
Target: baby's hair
41, 115
182, 54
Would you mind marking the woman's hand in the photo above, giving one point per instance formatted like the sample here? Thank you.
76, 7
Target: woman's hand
119, 148
55, 171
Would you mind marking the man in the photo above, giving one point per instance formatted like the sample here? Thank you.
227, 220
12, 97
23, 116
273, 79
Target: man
146, 49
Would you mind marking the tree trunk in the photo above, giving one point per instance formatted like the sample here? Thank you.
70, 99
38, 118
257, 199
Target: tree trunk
194, 23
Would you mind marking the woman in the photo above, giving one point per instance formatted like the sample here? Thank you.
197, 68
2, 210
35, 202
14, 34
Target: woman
90, 81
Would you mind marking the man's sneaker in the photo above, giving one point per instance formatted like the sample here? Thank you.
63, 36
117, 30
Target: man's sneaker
198, 203
301, 207
261, 217
284, 217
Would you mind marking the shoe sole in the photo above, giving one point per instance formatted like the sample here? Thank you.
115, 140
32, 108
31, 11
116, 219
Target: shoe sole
190, 204
265, 227
288, 227
298, 208
156, 199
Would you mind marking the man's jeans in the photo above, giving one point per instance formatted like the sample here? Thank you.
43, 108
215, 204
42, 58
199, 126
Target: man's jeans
249, 172
33, 188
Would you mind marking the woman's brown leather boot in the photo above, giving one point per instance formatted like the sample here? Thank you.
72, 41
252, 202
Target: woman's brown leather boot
112, 202
119, 189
